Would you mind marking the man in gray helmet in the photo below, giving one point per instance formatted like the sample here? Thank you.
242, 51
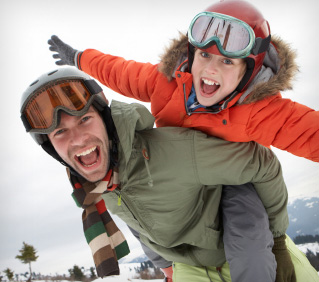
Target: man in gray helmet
165, 183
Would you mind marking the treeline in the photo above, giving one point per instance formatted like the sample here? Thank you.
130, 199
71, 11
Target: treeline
148, 270
303, 239
76, 273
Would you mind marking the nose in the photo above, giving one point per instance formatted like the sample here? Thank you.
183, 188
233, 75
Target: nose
77, 136
212, 65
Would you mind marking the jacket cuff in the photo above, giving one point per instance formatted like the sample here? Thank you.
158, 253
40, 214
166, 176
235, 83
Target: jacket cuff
77, 58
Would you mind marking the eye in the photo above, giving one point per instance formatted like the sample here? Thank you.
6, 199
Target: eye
227, 61
58, 132
85, 119
204, 54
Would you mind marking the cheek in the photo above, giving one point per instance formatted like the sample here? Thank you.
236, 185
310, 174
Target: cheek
195, 71
242, 71
60, 148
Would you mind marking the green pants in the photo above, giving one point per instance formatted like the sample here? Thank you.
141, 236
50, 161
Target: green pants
304, 270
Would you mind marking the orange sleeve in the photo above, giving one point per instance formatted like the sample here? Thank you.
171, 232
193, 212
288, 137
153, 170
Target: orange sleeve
129, 78
286, 125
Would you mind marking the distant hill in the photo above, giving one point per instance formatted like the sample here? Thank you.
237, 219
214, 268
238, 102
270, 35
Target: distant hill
303, 217
130, 259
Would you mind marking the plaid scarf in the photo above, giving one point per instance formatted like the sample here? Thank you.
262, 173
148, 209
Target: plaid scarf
106, 241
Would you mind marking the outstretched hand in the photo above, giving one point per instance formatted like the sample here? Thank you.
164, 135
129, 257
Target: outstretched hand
65, 53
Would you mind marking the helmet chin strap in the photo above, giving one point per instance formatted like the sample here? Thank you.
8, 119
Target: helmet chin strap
261, 45
250, 65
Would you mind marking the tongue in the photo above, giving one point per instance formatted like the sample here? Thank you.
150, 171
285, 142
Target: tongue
89, 159
209, 89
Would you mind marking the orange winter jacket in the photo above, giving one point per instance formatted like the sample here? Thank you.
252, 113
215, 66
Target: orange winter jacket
258, 114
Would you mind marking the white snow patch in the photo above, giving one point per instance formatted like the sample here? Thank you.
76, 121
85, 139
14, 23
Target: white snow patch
313, 247
310, 205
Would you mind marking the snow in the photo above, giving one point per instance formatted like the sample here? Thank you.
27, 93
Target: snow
313, 247
310, 205
127, 273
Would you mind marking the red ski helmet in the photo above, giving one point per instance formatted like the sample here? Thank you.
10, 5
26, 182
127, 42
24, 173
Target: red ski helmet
238, 14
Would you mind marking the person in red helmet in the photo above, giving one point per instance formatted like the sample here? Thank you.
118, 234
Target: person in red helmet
224, 78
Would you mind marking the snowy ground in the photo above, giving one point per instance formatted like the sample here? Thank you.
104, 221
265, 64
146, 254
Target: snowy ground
127, 274
313, 247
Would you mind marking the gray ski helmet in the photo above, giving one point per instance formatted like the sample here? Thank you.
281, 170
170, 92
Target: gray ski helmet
69, 90
44, 87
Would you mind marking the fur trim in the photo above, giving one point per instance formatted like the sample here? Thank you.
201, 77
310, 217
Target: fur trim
173, 56
282, 80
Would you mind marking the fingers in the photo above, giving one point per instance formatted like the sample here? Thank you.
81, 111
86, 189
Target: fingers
56, 40
60, 63
55, 43
64, 52
53, 48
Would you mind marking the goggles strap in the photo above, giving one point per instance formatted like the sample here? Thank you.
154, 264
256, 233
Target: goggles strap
261, 45
92, 86
26, 123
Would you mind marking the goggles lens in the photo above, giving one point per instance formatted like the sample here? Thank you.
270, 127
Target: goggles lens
234, 38
40, 109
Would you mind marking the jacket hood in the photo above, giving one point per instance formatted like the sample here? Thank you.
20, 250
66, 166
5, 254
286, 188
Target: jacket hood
129, 118
277, 74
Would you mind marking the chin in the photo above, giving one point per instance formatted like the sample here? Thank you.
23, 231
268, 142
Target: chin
94, 177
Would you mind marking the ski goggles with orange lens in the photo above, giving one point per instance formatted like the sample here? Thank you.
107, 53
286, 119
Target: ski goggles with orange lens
39, 113
233, 37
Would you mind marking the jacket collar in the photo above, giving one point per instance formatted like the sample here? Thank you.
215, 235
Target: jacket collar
129, 118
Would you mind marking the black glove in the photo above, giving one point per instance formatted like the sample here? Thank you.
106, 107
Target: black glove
65, 52
285, 268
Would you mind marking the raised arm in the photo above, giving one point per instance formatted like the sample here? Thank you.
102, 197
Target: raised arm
129, 78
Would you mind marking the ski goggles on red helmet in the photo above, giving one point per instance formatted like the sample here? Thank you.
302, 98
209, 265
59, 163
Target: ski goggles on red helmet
39, 113
233, 37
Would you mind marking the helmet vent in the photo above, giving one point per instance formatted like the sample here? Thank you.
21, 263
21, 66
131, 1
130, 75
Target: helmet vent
52, 72
34, 82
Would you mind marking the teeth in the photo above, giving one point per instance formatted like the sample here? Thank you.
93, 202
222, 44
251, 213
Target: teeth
86, 152
89, 165
209, 82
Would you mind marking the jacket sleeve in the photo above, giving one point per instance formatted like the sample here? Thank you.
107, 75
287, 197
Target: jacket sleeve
286, 125
129, 78
235, 163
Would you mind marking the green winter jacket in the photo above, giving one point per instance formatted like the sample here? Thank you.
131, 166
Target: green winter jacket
171, 182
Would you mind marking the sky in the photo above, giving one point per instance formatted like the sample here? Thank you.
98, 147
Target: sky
35, 203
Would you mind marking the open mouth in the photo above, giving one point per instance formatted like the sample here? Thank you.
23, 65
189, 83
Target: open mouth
209, 87
88, 157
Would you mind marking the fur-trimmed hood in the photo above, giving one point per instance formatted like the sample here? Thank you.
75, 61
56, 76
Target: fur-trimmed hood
277, 74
